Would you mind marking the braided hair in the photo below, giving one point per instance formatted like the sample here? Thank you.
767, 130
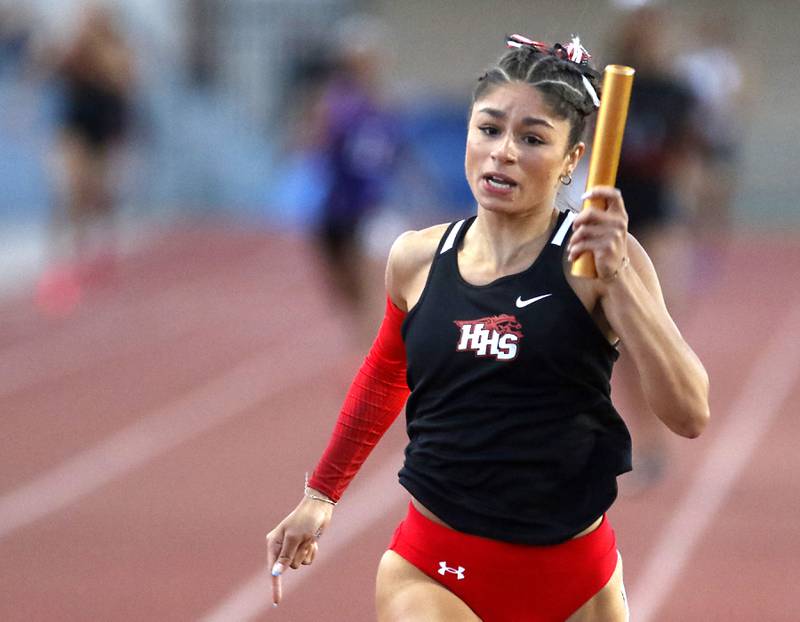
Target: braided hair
561, 81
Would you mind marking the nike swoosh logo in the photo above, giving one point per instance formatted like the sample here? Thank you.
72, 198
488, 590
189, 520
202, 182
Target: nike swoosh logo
524, 303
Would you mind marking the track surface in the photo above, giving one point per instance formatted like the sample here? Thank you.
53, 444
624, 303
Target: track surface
151, 438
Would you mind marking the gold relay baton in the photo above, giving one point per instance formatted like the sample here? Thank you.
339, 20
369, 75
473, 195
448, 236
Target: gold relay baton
617, 84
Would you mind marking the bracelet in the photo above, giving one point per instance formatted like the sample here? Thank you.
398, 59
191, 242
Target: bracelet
311, 495
622, 266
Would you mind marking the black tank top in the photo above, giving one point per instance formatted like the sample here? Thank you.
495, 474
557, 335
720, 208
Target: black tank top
512, 434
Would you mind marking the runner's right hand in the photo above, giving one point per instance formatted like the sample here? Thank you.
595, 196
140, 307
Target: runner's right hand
294, 541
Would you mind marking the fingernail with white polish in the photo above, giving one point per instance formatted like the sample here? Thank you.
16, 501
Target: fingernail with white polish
274, 604
277, 569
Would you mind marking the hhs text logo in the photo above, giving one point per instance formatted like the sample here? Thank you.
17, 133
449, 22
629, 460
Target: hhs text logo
496, 336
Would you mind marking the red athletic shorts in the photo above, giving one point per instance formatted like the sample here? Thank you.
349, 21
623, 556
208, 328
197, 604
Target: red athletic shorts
504, 582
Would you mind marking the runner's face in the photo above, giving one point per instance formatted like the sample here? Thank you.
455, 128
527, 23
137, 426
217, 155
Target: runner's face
516, 150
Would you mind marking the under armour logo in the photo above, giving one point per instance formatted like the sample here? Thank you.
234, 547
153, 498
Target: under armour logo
444, 569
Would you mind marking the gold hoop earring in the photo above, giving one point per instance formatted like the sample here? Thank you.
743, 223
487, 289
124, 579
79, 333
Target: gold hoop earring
565, 179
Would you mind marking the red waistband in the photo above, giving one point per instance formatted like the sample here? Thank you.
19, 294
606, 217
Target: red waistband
594, 544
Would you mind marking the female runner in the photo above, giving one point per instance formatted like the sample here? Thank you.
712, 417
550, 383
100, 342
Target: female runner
97, 76
514, 445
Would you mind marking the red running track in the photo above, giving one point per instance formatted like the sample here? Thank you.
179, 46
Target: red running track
150, 439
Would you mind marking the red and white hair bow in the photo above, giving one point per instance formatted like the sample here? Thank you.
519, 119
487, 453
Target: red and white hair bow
572, 51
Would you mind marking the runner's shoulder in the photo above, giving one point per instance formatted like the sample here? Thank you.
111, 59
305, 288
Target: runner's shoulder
415, 248
411, 253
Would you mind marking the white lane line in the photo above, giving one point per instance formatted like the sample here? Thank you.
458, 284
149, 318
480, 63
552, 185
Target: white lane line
226, 396
769, 385
360, 508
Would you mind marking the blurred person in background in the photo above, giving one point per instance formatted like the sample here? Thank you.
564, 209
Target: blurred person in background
505, 359
658, 147
713, 70
95, 73
357, 140
16, 34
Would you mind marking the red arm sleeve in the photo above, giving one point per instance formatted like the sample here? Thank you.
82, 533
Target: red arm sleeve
375, 398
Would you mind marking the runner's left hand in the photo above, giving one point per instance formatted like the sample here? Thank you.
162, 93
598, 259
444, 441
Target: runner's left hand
604, 233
